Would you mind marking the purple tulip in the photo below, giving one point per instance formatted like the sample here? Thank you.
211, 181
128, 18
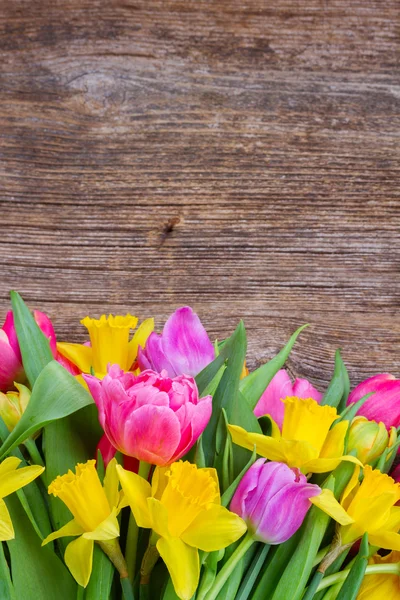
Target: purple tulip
151, 416
280, 388
273, 500
183, 348
384, 404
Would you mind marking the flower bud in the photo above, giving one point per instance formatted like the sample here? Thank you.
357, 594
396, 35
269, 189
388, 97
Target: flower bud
273, 499
13, 405
368, 438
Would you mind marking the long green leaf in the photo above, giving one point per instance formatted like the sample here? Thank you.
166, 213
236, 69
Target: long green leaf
256, 382
7, 591
349, 590
338, 384
55, 395
34, 345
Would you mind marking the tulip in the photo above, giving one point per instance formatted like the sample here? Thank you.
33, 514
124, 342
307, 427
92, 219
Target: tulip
273, 500
369, 439
13, 405
183, 348
307, 441
385, 585
281, 387
109, 344
95, 508
12, 479
151, 417
384, 404
183, 507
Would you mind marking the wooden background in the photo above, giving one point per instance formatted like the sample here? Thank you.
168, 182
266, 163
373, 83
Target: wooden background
238, 156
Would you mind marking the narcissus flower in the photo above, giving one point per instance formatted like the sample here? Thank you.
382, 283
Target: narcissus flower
306, 441
369, 439
385, 585
384, 404
109, 343
12, 479
183, 348
151, 417
183, 508
368, 506
273, 500
94, 508
13, 405
281, 387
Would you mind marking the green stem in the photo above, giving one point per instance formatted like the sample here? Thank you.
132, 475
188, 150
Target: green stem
33, 452
127, 588
390, 568
80, 593
320, 555
133, 530
229, 566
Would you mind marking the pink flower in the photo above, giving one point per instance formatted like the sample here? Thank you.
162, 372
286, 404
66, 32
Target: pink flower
183, 348
384, 404
273, 499
151, 417
280, 388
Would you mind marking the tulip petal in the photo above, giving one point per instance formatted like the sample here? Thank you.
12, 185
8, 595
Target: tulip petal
80, 355
153, 356
136, 490
186, 342
6, 526
139, 339
327, 502
302, 388
12, 480
270, 402
11, 333
182, 562
213, 529
71, 528
10, 367
46, 326
106, 449
79, 559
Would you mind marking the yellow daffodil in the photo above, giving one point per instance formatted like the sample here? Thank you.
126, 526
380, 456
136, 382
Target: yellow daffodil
307, 440
94, 508
375, 586
368, 506
13, 405
109, 343
183, 507
12, 479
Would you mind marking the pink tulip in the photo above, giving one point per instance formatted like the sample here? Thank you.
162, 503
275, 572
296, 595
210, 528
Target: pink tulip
273, 499
151, 417
280, 388
183, 348
384, 404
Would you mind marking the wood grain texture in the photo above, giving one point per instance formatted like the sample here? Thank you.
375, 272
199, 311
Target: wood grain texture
240, 157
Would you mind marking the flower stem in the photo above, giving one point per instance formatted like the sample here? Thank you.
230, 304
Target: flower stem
229, 566
127, 588
133, 529
391, 569
33, 452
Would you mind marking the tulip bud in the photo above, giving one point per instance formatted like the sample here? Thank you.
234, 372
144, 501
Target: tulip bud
368, 438
273, 500
13, 405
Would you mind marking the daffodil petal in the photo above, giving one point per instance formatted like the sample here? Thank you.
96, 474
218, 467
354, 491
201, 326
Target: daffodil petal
385, 539
111, 483
334, 442
327, 502
107, 530
139, 339
15, 479
71, 528
9, 464
350, 486
323, 465
159, 516
213, 529
182, 562
136, 490
79, 559
80, 355
6, 526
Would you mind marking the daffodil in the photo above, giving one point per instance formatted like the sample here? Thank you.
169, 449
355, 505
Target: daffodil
369, 506
109, 343
183, 507
13, 405
95, 509
12, 479
385, 585
307, 440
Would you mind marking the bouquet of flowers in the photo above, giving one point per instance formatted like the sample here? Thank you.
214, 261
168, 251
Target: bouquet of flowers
156, 467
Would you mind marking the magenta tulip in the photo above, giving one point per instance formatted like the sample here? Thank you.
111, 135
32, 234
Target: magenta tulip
384, 404
273, 499
280, 388
151, 417
183, 348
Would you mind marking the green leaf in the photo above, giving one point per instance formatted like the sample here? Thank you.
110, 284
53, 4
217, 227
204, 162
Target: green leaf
242, 415
339, 384
55, 395
253, 572
211, 388
102, 576
349, 590
7, 591
34, 345
256, 382
228, 494
229, 590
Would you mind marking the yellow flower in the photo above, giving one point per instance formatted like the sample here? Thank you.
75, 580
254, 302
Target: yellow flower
376, 587
307, 440
12, 479
13, 405
183, 507
368, 506
94, 508
110, 343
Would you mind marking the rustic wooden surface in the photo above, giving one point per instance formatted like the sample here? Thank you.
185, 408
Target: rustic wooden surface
240, 157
